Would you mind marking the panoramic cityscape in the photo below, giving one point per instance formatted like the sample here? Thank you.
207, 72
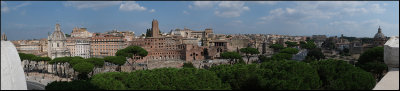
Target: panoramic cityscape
196, 45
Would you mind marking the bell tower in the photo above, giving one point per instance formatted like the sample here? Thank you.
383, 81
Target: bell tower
154, 28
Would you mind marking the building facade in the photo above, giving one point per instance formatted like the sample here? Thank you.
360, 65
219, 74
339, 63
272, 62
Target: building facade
80, 32
103, 45
82, 48
57, 44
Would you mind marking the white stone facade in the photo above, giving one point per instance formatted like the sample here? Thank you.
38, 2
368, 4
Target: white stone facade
391, 54
12, 75
82, 48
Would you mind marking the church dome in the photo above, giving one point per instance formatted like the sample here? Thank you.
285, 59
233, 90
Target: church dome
57, 34
379, 35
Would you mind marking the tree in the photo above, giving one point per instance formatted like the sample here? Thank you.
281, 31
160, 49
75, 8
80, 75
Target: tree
329, 44
263, 58
188, 65
249, 51
308, 45
270, 75
148, 32
118, 60
372, 61
276, 47
61, 61
289, 51
97, 62
27, 57
132, 51
339, 75
232, 56
315, 54
73, 85
282, 56
160, 79
83, 68
67, 35
291, 44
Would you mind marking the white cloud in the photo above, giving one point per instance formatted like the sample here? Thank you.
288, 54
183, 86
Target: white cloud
267, 2
4, 7
131, 6
185, 12
203, 4
152, 10
376, 8
95, 5
320, 10
230, 9
22, 5
363, 28
227, 9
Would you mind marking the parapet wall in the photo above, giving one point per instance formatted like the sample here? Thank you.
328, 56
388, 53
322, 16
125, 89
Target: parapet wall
391, 57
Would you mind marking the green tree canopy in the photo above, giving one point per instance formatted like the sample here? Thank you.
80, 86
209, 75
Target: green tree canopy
291, 44
308, 45
289, 51
274, 75
160, 79
73, 85
372, 55
339, 75
249, 51
231, 56
61, 60
97, 62
148, 33
118, 60
83, 67
282, 56
276, 47
131, 51
315, 54
188, 65
24, 56
76, 61
372, 61
38, 58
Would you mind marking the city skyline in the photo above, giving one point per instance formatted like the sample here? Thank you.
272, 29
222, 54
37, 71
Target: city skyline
33, 20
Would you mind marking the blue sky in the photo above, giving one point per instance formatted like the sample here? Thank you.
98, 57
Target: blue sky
34, 19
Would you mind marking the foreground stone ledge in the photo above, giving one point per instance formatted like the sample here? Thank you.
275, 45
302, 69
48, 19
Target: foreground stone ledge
390, 81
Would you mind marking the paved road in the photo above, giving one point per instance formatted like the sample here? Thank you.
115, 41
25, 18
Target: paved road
34, 86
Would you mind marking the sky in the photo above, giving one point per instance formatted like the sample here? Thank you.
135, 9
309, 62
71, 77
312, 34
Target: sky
22, 20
